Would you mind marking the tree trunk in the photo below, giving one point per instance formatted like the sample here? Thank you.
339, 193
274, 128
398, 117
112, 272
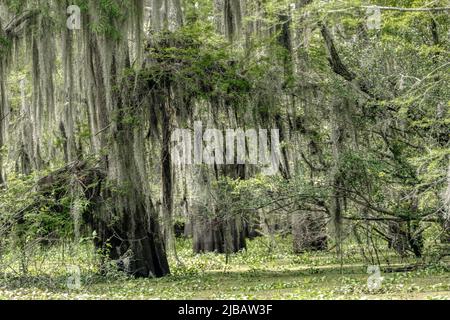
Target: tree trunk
214, 228
3, 104
3, 108
166, 174
126, 220
309, 232
446, 215
337, 137
218, 235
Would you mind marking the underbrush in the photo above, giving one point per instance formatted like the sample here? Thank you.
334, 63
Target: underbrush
259, 272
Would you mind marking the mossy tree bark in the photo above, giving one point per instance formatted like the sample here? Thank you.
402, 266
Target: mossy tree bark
126, 220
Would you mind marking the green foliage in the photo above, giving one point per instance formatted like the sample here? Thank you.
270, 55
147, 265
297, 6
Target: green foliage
110, 18
5, 45
390, 163
252, 274
15, 5
35, 216
198, 60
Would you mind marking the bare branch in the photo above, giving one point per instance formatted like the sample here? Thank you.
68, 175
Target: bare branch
409, 9
334, 58
18, 20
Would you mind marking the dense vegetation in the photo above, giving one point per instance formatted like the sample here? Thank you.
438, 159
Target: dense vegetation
349, 165
253, 274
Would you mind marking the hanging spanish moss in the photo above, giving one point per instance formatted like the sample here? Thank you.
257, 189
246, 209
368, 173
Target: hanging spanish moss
298, 122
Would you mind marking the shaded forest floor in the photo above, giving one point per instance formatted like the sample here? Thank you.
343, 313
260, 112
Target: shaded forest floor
261, 272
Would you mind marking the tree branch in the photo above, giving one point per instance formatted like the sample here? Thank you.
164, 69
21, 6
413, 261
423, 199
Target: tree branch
334, 59
408, 9
18, 20
339, 67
